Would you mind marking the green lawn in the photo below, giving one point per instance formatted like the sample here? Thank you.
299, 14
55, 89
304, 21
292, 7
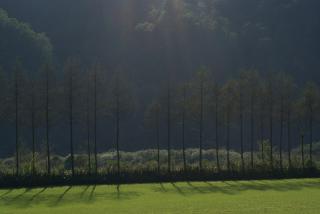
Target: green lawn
280, 196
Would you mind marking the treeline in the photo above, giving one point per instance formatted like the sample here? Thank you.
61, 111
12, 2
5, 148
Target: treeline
270, 108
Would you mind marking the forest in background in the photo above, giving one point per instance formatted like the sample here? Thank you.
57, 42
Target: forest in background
146, 40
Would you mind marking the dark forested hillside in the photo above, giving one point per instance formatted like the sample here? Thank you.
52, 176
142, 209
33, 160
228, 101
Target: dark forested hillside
155, 35
151, 40
18, 41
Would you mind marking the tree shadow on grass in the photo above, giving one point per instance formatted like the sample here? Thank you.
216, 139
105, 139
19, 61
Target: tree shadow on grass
163, 188
37, 194
236, 187
91, 196
52, 198
6, 193
84, 191
60, 198
178, 189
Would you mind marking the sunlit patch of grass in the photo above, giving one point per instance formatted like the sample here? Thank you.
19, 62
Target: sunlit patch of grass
260, 196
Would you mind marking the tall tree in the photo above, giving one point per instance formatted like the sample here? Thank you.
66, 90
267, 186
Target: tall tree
262, 109
48, 89
250, 80
16, 100
200, 90
270, 97
152, 119
19, 101
229, 93
285, 89
241, 119
217, 94
122, 104
169, 97
33, 125
311, 105
88, 121
95, 119
4, 97
71, 87
182, 107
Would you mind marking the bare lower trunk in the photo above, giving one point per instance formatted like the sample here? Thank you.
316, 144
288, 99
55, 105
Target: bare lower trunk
47, 125
228, 139
183, 130
217, 132
302, 151
281, 134
158, 139
289, 137
95, 124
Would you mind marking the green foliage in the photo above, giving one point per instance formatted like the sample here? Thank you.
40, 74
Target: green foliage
19, 40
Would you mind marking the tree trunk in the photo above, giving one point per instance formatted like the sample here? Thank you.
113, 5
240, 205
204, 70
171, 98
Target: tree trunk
47, 124
169, 128
241, 132
217, 129
88, 129
228, 139
289, 136
302, 151
262, 134
271, 131
252, 129
17, 122
71, 123
201, 126
158, 139
33, 129
95, 123
281, 133
311, 135
183, 130
118, 133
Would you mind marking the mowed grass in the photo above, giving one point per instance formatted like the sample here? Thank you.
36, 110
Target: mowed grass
265, 196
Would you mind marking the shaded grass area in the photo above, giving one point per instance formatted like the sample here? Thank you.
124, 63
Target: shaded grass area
259, 196
143, 177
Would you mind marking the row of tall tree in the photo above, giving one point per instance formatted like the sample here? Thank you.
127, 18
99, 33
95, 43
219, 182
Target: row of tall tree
79, 98
83, 96
262, 104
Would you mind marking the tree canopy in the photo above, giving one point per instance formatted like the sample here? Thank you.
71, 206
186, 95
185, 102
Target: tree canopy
19, 41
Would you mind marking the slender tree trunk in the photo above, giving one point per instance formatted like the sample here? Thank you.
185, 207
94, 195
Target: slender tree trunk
281, 133
311, 135
241, 131
33, 129
95, 123
262, 134
252, 129
217, 128
17, 122
71, 123
88, 128
289, 136
228, 139
47, 124
183, 130
158, 138
302, 151
118, 130
271, 130
169, 128
201, 126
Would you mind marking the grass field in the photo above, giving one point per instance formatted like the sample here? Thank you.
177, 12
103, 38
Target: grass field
279, 196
